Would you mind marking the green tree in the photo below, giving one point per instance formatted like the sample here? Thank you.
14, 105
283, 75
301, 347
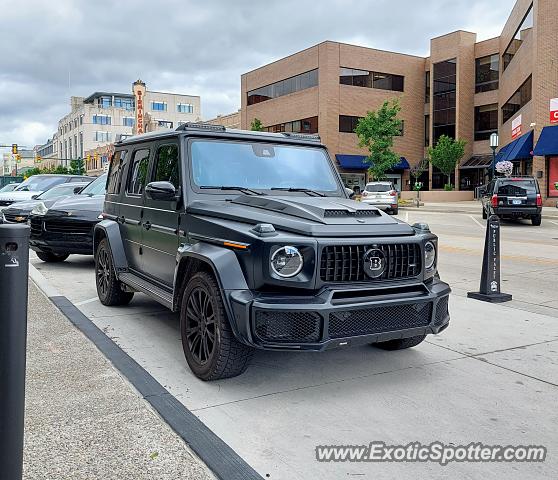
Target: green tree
256, 125
33, 171
375, 132
77, 167
445, 156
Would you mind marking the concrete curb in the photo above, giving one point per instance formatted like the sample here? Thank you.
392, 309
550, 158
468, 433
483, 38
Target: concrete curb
221, 459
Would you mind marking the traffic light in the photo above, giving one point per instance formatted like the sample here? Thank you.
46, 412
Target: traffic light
18, 158
39, 159
14, 148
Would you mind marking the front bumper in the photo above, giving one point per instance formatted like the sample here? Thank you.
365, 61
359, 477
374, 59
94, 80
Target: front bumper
337, 317
76, 237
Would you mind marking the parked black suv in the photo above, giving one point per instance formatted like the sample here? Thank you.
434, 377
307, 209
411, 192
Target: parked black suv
513, 197
252, 238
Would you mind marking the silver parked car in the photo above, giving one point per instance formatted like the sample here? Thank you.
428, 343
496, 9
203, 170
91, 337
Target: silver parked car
382, 195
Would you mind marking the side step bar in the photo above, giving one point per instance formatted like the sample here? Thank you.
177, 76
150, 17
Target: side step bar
162, 296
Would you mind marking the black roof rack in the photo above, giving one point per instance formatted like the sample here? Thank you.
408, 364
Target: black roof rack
201, 126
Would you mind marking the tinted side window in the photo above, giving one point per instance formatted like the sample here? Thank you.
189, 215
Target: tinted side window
116, 171
166, 165
138, 172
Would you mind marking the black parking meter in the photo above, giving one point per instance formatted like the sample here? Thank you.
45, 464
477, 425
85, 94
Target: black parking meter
14, 264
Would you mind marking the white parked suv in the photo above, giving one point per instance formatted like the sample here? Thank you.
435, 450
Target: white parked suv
382, 195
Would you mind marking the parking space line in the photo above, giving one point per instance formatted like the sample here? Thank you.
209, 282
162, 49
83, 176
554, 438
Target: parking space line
552, 221
85, 302
476, 221
406, 217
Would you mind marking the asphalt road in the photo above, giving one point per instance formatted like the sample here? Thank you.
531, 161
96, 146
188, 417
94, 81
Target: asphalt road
491, 377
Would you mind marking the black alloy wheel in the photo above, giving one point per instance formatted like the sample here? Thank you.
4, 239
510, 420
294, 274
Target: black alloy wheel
200, 325
109, 288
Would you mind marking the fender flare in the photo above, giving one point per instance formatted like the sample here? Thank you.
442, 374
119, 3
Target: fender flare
110, 230
225, 267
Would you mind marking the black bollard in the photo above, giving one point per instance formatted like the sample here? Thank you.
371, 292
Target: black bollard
14, 265
490, 276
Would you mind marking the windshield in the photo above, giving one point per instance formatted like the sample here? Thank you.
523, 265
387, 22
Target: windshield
9, 187
96, 187
261, 166
38, 183
58, 191
518, 188
379, 187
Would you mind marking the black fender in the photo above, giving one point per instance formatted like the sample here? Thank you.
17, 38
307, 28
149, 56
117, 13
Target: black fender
111, 230
226, 269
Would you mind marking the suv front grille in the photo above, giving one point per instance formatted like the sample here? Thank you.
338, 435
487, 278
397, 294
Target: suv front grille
279, 326
379, 320
62, 226
15, 218
36, 226
344, 263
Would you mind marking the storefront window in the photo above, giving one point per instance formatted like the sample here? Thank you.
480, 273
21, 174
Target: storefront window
552, 176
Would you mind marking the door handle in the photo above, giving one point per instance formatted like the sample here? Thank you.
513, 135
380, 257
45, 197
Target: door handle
147, 225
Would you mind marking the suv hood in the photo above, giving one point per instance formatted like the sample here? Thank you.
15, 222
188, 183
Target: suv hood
18, 196
80, 202
314, 216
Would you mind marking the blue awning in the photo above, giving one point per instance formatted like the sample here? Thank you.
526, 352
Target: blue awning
358, 162
548, 142
521, 147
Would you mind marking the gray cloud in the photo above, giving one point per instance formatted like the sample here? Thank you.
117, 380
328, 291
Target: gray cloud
193, 47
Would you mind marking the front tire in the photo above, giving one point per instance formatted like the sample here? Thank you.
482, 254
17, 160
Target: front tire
50, 257
536, 220
109, 288
401, 343
210, 347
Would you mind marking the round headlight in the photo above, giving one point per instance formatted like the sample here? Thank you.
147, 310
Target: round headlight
429, 255
287, 261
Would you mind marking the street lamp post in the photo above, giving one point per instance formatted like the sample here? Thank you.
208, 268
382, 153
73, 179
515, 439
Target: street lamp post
493, 146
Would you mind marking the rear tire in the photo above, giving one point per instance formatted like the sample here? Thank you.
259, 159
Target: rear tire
210, 347
50, 257
401, 343
395, 211
536, 220
109, 288
484, 214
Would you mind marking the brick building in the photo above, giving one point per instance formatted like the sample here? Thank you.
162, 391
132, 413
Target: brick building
464, 88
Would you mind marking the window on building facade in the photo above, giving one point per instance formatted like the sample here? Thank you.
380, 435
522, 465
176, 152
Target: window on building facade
486, 121
365, 78
427, 130
487, 73
427, 87
306, 125
348, 124
101, 120
105, 102
164, 123
124, 102
184, 108
522, 33
520, 98
283, 87
444, 96
128, 121
81, 144
159, 106
81, 119
101, 137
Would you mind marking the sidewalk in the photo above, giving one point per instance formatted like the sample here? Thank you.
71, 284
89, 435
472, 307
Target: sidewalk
83, 420
466, 207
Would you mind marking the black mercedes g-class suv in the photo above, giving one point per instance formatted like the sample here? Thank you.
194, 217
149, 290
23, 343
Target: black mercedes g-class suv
253, 239
513, 197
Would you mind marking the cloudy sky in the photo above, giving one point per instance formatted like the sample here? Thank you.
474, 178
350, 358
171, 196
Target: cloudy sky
51, 50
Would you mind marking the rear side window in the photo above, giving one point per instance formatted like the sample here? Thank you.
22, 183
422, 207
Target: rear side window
116, 171
138, 172
517, 188
166, 165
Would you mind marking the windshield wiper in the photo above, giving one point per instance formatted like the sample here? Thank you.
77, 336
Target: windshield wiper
247, 191
308, 191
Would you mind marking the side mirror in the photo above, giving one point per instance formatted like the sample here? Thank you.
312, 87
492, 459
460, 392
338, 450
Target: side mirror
350, 192
34, 197
160, 191
77, 190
